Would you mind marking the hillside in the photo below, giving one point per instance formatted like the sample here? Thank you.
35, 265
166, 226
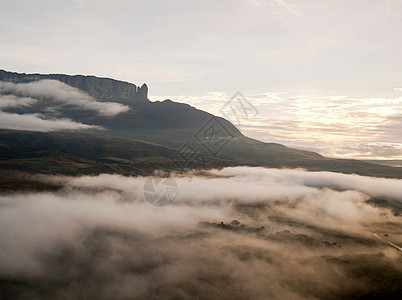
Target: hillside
142, 137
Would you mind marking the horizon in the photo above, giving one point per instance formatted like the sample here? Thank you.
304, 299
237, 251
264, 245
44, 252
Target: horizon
335, 55
377, 120
172, 149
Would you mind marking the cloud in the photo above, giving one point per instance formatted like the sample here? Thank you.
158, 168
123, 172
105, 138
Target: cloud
46, 105
335, 126
301, 236
36, 122
14, 101
374, 187
287, 7
59, 92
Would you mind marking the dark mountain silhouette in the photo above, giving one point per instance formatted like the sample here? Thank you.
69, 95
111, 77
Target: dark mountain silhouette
143, 114
148, 136
102, 89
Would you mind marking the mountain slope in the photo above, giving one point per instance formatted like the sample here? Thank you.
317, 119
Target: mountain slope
73, 153
141, 115
143, 137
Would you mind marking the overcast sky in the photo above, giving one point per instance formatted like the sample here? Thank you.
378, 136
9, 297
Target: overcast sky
317, 49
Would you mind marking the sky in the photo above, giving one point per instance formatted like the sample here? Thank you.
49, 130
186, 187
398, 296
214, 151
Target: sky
323, 75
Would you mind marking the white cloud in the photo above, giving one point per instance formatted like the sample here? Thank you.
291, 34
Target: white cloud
57, 91
336, 126
100, 228
374, 187
14, 101
34, 122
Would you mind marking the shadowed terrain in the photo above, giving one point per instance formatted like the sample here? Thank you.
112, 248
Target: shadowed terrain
137, 137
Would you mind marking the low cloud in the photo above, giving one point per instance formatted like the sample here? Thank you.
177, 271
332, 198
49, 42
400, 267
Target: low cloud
37, 122
374, 187
47, 105
298, 235
59, 92
336, 126
14, 101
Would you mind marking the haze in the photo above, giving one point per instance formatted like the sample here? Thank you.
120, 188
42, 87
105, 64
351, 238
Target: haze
279, 53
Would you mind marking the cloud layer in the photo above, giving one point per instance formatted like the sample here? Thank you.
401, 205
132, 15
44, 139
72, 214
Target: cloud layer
42, 106
338, 126
38, 122
59, 92
299, 235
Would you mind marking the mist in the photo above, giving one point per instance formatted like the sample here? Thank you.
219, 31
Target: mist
231, 233
38, 122
50, 105
56, 92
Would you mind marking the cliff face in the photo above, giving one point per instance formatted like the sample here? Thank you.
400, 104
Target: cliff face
145, 115
102, 89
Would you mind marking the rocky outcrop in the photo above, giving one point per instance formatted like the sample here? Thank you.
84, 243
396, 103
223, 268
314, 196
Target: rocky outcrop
145, 118
103, 89
142, 92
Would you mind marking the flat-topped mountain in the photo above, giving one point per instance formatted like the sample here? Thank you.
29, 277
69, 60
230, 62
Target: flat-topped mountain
143, 114
103, 89
118, 130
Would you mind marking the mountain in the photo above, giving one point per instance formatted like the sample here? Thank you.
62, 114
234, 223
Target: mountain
142, 115
129, 134
103, 89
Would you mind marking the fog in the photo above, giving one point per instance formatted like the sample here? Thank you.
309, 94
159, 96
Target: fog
13, 101
37, 122
48, 105
58, 92
297, 235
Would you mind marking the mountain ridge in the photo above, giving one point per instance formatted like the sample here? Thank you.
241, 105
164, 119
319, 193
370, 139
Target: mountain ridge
143, 114
146, 137
119, 91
